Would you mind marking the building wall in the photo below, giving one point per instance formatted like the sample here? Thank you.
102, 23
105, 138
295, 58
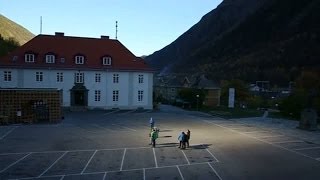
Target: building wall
213, 97
128, 86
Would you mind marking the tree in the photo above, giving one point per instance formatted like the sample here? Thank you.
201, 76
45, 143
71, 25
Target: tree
7, 45
241, 91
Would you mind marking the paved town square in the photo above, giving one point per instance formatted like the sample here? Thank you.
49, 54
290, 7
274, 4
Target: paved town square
115, 145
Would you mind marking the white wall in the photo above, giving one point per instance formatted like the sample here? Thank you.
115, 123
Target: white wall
128, 86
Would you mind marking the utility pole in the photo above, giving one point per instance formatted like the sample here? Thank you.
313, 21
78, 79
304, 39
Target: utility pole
40, 24
116, 29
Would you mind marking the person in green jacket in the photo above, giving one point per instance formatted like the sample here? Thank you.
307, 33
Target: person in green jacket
153, 136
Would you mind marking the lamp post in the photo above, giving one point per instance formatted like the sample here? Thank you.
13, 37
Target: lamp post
197, 101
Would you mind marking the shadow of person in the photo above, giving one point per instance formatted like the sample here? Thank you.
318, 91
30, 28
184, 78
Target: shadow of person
200, 146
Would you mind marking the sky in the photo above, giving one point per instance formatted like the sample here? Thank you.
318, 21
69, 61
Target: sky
144, 26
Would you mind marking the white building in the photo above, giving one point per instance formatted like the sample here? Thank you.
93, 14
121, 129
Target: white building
91, 72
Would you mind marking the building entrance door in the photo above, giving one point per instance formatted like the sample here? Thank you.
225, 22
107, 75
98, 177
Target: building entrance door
79, 98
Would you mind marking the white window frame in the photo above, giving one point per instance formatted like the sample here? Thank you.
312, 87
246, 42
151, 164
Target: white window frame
7, 76
115, 78
98, 77
115, 95
140, 77
50, 59
106, 61
59, 77
29, 57
140, 95
97, 95
39, 76
79, 59
79, 77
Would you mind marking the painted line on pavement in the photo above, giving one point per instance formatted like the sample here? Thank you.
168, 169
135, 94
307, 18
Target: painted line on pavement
262, 140
124, 127
78, 150
215, 171
283, 142
271, 136
211, 154
124, 153
111, 112
101, 127
144, 174
8, 132
249, 132
104, 176
12, 164
88, 162
106, 172
155, 158
318, 159
128, 112
307, 148
52, 164
180, 173
62, 177
185, 156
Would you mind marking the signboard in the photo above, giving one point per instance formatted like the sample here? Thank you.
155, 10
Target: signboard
231, 97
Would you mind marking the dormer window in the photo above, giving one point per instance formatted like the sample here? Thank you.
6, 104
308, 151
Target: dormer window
79, 59
29, 57
50, 58
106, 61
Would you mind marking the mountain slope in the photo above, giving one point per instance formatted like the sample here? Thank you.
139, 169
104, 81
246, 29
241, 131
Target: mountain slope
220, 20
276, 43
10, 29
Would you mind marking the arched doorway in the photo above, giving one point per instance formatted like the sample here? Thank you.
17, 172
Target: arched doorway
79, 95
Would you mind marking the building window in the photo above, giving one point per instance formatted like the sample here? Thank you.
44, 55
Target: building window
7, 76
79, 59
115, 97
97, 95
98, 77
140, 78
39, 76
115, 78
29, 57
60, 77
79, 78
106, 61
50, 59
140, 96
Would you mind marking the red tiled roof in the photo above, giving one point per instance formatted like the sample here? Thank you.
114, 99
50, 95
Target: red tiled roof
68, 47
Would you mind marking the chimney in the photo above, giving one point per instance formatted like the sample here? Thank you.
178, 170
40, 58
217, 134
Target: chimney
59, 34
104, 37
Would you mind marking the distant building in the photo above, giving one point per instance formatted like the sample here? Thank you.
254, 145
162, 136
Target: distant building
91, 72
168, 88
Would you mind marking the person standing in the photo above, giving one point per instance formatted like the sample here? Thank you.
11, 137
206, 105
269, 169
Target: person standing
151, 123
154, 135
182, 139
188, 137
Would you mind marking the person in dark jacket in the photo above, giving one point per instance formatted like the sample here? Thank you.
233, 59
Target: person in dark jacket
182, 138
188, 137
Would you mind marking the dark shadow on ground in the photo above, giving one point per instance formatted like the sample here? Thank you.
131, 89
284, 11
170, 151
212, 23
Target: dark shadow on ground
168, 144
200, 146
164, 136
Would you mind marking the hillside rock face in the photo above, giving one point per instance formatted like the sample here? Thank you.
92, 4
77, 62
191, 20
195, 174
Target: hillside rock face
251, 40
10, 29
212, 26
